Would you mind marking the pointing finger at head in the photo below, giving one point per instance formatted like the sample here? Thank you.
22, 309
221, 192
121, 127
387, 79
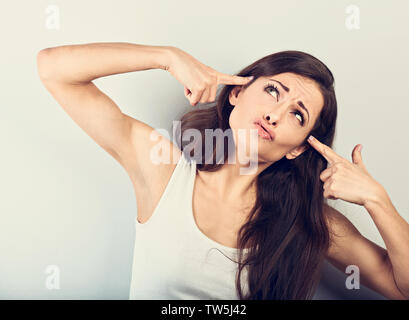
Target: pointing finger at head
330, 155
237, 80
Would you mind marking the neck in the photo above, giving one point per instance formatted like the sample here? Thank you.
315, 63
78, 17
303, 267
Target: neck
230, 185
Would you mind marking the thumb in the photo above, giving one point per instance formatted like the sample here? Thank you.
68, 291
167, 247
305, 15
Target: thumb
229, 79
357, 156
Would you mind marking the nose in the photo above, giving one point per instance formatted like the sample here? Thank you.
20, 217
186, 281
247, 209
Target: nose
273, 115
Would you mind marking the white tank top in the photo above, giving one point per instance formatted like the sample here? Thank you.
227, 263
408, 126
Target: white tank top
173, 258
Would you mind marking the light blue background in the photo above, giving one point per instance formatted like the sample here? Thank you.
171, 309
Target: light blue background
66, 202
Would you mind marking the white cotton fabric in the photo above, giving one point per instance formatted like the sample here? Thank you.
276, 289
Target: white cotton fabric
173, 258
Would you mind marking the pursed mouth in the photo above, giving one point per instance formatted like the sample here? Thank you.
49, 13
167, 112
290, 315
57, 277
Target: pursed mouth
264, 129
265, 134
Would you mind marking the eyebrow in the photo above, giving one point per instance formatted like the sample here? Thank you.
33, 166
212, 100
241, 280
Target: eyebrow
300, 103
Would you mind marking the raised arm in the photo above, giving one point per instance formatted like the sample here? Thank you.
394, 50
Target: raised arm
384, 270
67, 73
82, 63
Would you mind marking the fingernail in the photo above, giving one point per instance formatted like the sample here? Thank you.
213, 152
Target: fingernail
360, 147
310, 138
251, 78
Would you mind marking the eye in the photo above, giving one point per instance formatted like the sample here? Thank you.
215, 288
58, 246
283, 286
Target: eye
301, 115
274, 89
271, 86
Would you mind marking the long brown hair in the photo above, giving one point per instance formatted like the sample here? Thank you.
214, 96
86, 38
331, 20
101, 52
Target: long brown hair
288, 237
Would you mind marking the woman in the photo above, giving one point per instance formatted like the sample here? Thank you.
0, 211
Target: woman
278, 215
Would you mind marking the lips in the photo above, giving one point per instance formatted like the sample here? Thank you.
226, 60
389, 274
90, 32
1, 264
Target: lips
262, 133
265, 128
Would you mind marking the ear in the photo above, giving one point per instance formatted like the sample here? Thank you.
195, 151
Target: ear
233, 95
296, 152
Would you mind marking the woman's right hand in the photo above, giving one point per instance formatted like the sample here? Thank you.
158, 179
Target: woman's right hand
200, 81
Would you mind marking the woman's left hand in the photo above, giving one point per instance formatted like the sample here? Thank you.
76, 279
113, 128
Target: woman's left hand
345, 180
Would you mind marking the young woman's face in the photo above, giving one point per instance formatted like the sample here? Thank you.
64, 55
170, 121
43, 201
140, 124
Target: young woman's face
279, 109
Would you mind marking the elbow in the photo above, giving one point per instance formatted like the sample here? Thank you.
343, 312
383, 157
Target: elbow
44, 67
41, 63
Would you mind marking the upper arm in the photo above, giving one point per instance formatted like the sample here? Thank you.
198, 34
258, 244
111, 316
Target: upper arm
95, 113
349, 247
126, 139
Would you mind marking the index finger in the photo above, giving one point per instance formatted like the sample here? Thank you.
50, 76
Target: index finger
229, 79
330, 155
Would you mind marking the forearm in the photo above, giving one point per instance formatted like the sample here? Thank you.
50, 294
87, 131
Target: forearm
395, 232
83, 63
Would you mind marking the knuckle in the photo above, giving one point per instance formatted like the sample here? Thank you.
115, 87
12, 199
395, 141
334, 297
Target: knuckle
338, 166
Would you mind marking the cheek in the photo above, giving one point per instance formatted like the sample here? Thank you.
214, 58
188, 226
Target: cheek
232, 119
284, 143
237, 118
291, 135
